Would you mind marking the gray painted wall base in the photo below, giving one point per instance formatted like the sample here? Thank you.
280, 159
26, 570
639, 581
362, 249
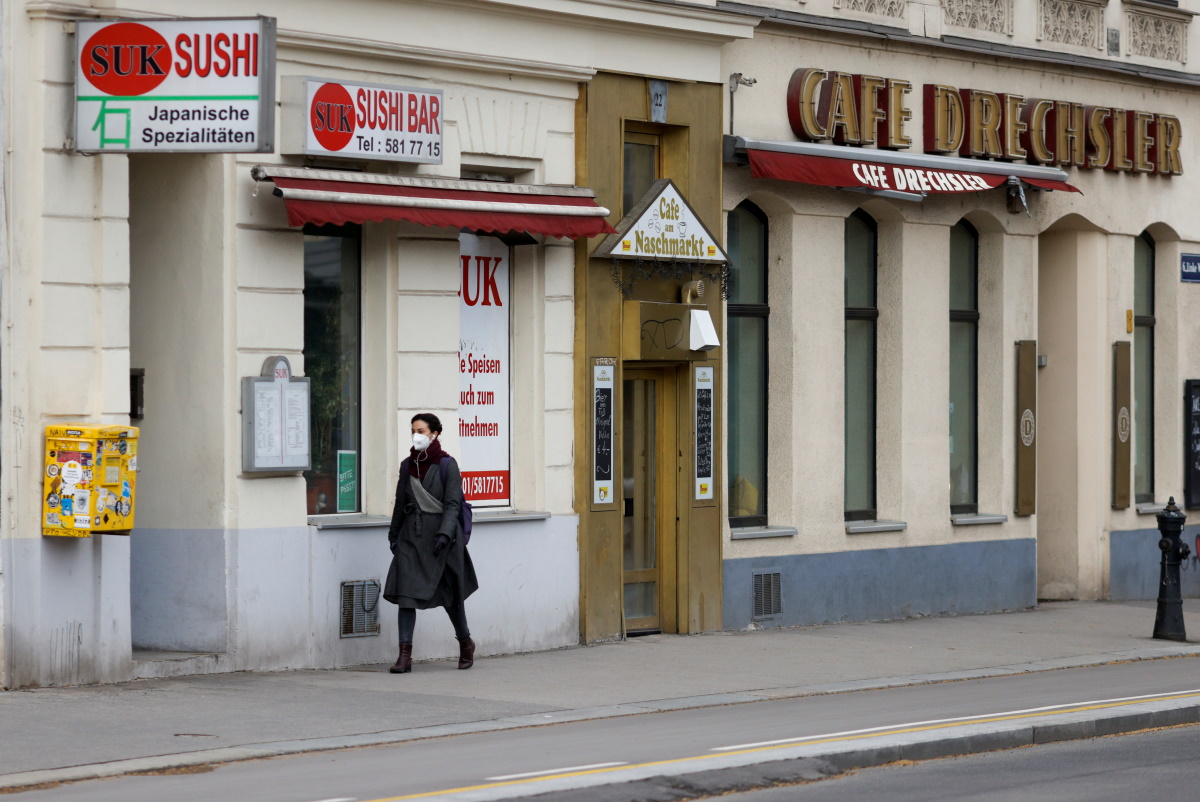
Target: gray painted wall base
1134, 560
882, 584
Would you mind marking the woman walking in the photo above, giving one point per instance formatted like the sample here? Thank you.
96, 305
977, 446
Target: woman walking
430, 564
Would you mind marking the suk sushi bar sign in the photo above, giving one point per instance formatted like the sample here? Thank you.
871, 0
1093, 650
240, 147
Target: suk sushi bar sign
871, 110
175, 86
362, 121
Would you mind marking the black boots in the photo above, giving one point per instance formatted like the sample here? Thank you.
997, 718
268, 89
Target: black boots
466, 656
404, 661
466, 653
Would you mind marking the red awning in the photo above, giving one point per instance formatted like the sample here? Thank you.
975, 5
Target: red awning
867, 173
332, 197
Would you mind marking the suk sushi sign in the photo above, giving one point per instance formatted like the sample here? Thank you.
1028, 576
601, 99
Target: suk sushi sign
175, 86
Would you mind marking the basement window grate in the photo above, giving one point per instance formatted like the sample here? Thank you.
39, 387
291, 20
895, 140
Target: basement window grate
768, 596
360, 608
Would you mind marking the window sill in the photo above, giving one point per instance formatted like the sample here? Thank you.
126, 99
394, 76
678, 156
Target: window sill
1150, 508
353, 520
977, 519
358, 520
507, 516
755, 532
868, 527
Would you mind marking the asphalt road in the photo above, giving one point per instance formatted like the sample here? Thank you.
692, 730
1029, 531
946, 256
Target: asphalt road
534, 760
1160, 764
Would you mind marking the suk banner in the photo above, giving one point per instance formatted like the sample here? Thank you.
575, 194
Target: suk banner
175, 86
483, 417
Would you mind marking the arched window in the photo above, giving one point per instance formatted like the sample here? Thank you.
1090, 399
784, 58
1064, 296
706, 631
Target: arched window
747, 359
1143, 368
862, 315
964, 369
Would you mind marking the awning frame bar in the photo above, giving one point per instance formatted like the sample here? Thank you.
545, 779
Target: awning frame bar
442, 204
263, 172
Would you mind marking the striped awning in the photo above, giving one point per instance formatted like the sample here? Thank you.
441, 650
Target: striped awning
334, 197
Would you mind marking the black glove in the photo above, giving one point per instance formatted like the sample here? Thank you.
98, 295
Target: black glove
392, 545
439, 544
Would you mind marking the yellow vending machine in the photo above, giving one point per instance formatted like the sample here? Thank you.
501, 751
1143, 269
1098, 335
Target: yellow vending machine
90, 480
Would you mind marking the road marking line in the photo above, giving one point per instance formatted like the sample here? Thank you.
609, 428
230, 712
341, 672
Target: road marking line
982, 717
339, 799
556, 771
900, 731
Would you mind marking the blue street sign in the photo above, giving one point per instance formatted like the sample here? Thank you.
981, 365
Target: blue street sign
1189, 267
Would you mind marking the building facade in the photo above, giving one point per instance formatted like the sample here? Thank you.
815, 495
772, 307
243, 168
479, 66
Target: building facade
183, 293
954, 384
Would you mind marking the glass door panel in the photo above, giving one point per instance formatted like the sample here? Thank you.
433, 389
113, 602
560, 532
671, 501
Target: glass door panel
640, 473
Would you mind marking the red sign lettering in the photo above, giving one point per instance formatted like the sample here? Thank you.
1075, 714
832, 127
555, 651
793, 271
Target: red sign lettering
486, 287
219, 54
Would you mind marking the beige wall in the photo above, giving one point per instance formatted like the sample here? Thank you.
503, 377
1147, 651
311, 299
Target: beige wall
1063, 276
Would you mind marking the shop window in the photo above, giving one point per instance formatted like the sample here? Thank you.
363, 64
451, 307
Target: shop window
964, 373
747, 352
642, 150
332, 362
862, 317
1143, 368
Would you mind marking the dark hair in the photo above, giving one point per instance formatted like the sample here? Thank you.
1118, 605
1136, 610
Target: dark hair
435, 425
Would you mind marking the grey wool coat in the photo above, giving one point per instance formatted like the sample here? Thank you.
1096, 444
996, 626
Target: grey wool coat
416, 577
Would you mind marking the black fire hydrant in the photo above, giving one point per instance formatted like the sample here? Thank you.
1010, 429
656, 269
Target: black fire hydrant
1168, 622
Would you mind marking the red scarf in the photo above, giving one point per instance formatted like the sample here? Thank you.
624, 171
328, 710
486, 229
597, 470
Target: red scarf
428, 458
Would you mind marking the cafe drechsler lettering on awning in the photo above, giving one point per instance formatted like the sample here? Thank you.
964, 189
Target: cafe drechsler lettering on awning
826, 105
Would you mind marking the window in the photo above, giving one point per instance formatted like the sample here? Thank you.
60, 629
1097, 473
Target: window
964, 362
1143, 369
640, 166
747, 343
862, 315
332, 304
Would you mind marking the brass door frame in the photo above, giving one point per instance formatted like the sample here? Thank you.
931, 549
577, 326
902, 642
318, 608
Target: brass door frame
667, 460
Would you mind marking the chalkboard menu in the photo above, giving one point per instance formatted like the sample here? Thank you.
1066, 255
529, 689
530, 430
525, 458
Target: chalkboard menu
1191, 439
603, 382
704, 433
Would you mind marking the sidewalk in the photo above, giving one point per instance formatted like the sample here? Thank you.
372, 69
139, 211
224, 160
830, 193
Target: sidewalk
188, 720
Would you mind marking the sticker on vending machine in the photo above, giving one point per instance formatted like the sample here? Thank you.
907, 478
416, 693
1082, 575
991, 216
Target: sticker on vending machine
52, 519
83, 521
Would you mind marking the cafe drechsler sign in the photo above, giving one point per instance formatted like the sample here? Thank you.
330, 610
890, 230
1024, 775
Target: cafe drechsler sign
175, 85
871, 110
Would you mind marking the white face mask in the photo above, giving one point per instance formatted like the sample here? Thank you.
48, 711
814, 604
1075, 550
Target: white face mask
420, 441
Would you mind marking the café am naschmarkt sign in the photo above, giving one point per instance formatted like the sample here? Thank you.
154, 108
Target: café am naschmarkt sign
175, 85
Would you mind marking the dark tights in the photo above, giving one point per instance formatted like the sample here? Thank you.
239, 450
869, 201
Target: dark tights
407, 619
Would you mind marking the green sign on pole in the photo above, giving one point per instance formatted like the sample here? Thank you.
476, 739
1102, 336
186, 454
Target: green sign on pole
347, 481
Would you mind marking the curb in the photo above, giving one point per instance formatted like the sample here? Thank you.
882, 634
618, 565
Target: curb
809, 763
232, 754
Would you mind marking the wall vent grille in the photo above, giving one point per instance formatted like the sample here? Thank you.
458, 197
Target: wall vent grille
360, 608
768, 596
